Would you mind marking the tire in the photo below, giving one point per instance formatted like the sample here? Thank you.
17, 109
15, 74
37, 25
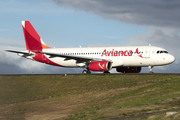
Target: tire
84, 72
106, 72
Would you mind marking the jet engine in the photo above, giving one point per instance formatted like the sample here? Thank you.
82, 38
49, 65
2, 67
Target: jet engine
100, 66
128, 69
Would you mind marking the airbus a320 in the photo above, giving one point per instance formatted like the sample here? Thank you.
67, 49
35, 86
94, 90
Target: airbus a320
102, 59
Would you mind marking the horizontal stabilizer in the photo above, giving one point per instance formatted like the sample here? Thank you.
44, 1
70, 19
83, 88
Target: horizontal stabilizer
20, 52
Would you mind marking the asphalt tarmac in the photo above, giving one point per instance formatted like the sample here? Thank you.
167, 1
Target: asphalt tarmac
95, 74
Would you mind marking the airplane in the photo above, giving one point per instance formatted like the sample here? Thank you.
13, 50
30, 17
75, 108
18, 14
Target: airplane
126, 59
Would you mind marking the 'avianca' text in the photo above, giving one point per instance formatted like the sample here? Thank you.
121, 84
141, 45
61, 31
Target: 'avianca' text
117, 53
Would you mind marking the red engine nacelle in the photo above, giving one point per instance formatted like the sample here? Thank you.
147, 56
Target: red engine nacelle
100, 66
128, 69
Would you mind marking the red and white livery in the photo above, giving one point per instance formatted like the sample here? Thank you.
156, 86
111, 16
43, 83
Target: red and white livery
103, 59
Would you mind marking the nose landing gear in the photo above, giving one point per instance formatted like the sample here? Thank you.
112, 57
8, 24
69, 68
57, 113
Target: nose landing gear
151, 69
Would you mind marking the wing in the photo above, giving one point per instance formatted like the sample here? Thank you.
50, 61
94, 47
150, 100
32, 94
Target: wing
69, 57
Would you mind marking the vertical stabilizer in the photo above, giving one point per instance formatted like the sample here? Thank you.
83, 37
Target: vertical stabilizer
32, 39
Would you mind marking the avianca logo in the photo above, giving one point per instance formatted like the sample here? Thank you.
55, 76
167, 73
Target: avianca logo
120, 53
101, 66
140, 55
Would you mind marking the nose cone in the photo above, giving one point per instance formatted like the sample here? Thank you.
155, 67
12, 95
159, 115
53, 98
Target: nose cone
171, 58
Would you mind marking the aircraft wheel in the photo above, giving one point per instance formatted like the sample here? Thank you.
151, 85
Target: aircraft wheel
151, 69
106, 72
86, 72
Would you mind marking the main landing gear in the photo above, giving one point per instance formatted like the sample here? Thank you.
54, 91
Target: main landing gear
151, 69
89, 72
106, 72
86, 72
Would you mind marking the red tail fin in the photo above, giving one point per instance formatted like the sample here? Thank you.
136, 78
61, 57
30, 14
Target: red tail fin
32, 39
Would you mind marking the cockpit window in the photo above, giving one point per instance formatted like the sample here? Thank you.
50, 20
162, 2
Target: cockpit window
161, 51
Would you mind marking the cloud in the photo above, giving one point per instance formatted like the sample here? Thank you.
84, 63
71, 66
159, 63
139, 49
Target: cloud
154, 12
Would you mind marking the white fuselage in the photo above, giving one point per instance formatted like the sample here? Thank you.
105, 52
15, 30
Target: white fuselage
119, 56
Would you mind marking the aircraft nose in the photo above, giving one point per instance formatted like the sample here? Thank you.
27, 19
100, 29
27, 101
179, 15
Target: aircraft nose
171, 59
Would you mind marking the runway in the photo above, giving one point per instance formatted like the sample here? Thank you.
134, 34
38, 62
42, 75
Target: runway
95, 74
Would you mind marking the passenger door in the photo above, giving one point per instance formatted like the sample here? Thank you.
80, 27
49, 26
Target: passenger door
147, 52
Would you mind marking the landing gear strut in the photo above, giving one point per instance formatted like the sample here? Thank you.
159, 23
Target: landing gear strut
151, 69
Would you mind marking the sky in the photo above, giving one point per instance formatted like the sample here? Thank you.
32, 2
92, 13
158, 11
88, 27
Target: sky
88, 23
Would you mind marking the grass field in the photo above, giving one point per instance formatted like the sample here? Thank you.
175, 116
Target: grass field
89, 97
